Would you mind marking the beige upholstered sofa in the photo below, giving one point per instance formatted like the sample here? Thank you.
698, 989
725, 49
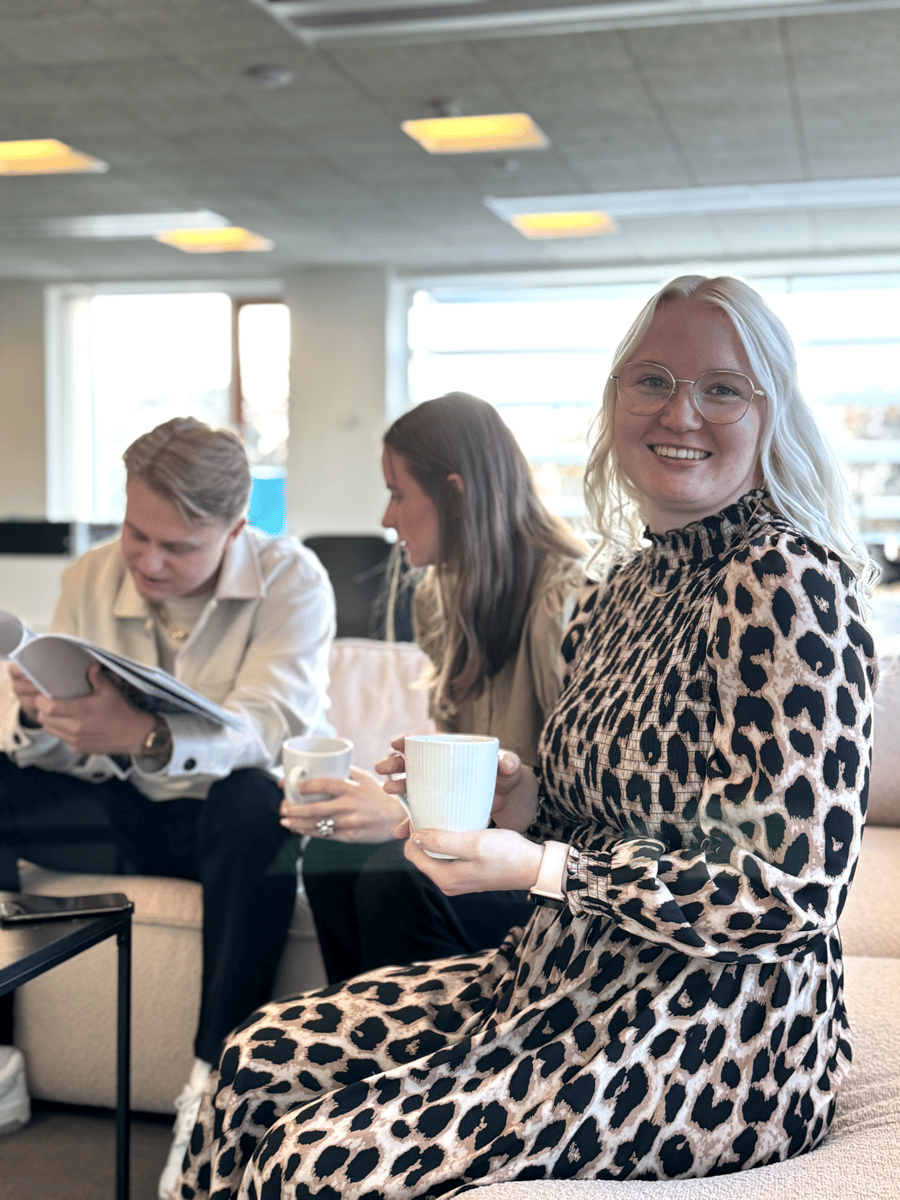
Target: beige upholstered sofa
65, 1020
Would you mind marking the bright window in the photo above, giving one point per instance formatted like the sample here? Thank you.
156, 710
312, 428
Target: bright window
128, 361
542, 357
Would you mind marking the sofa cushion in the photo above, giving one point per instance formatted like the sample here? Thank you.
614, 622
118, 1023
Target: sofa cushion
158, 900
376, 693
884, 786
869, 923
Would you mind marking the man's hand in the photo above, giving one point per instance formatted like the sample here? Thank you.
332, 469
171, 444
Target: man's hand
101, 723
25, 692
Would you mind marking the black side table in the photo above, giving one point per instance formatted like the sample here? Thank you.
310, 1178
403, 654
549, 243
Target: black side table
29, 950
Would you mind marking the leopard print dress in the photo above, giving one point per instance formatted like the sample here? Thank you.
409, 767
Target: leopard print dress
708, 760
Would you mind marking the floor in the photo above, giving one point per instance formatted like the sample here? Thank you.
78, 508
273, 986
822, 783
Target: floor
68, 1153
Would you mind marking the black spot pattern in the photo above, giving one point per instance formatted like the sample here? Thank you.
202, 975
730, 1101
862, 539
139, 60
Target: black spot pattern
683, 1015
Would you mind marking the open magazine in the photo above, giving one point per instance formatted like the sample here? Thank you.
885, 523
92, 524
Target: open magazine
57, 664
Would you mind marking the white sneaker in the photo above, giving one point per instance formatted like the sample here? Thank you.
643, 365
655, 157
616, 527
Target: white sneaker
15, 1106
187, 1106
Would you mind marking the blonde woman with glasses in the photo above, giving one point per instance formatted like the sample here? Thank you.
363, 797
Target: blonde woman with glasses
674, 1007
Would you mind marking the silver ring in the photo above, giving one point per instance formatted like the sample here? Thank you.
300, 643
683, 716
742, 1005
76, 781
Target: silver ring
325, 827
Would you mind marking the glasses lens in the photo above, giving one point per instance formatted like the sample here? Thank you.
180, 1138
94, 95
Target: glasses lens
644, 387
723, 396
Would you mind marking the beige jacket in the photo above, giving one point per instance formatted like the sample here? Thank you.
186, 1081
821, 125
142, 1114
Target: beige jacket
514, 703
260, 649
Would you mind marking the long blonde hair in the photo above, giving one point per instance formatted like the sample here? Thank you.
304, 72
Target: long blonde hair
494, 536
799, 469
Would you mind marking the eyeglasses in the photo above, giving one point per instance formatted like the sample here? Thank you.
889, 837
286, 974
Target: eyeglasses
720, 397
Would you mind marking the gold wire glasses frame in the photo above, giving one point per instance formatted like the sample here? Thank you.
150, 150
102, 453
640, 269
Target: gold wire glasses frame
720, 397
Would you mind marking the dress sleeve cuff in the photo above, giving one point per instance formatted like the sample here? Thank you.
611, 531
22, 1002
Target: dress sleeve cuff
588, 879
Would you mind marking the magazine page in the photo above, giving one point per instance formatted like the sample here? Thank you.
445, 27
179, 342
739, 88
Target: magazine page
13, 634
57, 670
57, 664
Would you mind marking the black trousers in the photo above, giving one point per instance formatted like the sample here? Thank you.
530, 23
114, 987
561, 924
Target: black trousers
372, 908
231, 842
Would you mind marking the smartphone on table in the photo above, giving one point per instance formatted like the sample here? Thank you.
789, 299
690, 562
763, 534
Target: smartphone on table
25, 908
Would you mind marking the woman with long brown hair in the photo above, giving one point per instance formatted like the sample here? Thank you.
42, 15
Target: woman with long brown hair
500, 575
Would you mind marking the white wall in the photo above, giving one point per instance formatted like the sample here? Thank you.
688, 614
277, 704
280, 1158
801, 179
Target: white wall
22, 478
29, 584
344, 328
340, 322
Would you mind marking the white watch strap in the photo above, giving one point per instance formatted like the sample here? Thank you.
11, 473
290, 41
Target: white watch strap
552, 871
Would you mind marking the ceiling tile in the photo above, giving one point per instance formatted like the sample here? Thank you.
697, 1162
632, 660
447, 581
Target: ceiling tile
705, 45
70, 195
208, 26
873, 33
201, 116
79, 37
157, 89
158, 78
557, 55
49, 87
432, 68
43, 8
375, 168
613, 169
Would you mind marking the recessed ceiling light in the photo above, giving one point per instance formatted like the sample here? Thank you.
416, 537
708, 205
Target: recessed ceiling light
45, 156
476, 135
214, 241
564, 224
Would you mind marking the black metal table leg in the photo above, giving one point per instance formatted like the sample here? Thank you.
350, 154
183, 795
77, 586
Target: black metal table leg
29, 950
123, 1066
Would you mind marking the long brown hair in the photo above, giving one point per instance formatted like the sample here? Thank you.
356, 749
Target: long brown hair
494, 537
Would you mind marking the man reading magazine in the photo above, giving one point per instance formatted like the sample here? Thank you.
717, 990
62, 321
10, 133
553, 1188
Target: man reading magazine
100, 784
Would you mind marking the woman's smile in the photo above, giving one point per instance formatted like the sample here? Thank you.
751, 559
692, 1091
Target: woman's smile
685, 453
683, 466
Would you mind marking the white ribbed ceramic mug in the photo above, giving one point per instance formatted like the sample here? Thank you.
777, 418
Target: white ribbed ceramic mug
450, 781
313, 757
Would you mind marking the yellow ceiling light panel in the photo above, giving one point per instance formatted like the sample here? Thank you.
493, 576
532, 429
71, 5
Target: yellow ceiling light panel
476, 135
224, 240
564, 224
45, 156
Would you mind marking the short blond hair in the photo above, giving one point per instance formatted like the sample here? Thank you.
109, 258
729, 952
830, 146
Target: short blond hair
203, 471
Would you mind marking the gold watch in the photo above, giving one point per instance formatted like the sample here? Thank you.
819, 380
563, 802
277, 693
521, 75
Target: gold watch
158, 742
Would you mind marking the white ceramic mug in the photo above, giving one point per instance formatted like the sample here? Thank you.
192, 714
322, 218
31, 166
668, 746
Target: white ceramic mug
450, 781
313, 757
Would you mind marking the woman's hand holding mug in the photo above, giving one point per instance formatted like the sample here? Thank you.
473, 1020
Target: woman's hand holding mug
358, 808
458, 782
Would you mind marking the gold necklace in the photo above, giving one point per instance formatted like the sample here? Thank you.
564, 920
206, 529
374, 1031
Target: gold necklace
668, 592
174, 631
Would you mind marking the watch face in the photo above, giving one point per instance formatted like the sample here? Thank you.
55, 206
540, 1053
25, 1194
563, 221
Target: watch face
156, 738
